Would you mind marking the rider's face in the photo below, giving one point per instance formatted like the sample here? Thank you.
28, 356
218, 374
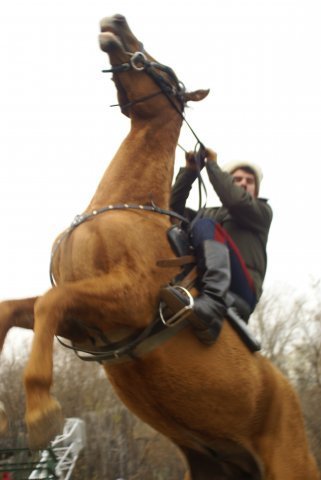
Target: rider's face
245, 180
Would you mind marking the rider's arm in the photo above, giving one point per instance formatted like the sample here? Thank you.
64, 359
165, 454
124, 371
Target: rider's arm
181, 189
248, 211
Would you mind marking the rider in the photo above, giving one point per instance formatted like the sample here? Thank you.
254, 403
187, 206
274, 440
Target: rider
229, 242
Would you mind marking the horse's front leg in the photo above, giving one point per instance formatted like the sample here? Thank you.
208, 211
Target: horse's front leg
94, 302
13, 313
16, 313
43, 417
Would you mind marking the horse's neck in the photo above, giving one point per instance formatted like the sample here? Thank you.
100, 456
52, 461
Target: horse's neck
142, 169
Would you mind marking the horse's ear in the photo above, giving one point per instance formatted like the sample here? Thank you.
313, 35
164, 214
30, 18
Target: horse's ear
196, 96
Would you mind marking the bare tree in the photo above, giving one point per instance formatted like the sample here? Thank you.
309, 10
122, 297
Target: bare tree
289, 327
118, 444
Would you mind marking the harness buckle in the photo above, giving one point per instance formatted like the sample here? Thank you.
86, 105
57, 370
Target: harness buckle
181, 314
138, 61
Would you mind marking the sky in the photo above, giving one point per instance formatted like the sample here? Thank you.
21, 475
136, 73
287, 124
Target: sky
261, 61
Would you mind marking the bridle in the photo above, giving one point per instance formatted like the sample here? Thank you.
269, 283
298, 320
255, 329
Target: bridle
139, 62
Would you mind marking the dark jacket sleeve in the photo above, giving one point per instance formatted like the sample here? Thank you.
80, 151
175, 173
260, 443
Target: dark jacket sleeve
181, 189
247, 211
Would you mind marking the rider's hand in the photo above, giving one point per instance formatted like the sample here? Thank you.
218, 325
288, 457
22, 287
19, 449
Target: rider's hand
191, 162
210, 155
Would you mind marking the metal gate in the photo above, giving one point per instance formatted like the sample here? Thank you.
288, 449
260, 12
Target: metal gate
57, 461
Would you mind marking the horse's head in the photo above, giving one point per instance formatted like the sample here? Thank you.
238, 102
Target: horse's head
137, 76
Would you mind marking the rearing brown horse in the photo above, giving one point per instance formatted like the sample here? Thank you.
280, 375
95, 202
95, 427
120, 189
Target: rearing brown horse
230, 411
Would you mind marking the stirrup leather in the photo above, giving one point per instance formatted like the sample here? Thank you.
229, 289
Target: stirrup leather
182, 313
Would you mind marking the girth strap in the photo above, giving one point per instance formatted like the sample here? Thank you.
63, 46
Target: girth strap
145, 341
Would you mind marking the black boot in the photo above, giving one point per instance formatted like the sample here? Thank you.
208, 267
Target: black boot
209, 307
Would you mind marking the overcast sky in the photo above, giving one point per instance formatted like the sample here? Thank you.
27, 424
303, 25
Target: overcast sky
261, 60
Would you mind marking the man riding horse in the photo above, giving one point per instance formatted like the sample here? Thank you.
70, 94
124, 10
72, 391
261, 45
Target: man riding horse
229, 243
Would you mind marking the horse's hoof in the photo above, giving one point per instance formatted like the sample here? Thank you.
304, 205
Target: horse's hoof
44, 427
3, 419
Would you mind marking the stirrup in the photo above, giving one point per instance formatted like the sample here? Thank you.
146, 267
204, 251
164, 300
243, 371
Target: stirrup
180, 314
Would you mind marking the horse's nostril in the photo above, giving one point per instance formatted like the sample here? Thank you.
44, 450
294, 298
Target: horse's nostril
119, 18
